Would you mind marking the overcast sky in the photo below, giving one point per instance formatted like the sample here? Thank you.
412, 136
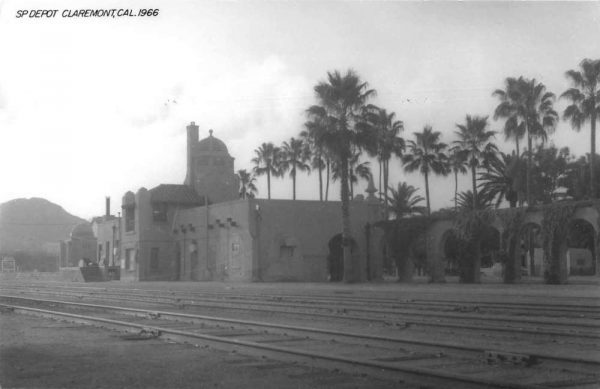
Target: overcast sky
93, 107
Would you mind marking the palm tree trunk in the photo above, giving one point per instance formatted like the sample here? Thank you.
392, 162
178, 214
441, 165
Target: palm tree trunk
427, 193
593, 191
346, 239
517, 142
320, 179
528, 180
269, 184
385, 189
327, 182
380, 193
294, 188
473, 172
476, 270
293, 173
455, 190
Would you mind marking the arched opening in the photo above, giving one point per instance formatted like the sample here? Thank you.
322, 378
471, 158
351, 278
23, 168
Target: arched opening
389, 265
335, 259
491, 261
581, 249
469, 260
451, 250
529, 250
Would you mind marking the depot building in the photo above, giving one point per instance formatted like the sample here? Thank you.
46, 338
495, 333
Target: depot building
202, 231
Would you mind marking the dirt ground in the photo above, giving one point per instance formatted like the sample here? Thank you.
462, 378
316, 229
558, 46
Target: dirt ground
42, 353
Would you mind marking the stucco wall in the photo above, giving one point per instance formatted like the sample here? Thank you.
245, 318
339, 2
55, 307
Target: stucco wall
293, 238
222, 239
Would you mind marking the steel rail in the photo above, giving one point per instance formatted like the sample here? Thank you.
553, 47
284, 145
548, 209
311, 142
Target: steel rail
541, 305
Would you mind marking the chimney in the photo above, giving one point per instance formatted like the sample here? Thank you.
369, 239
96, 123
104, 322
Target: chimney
192, 139
107, 206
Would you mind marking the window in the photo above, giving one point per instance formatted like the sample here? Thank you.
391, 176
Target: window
154, 259
129, 218
159, 212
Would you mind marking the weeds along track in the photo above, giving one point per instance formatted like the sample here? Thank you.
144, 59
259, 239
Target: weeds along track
435, 363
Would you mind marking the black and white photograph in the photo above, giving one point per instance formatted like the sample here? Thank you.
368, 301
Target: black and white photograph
299, 194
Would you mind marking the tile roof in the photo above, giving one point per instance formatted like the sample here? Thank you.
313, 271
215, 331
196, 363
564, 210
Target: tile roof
178, 194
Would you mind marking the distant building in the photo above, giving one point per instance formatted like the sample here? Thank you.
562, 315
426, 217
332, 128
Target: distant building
81, 245
203, 231
8, 265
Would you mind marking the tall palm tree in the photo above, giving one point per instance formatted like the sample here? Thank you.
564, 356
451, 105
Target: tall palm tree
248, 188
294, 155
457, 165
266, 162
474, 145
511, 109
585, 106
387, 144
404, 201
541, 119
311, 135
316, 129
427, 156
530, 108
343, 97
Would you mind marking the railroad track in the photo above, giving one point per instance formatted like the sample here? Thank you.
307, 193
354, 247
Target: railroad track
434, 363
580, 327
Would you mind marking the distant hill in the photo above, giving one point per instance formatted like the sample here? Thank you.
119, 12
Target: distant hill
34, 225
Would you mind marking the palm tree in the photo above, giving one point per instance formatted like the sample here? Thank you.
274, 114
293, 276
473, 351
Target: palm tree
474, 145
511, 109
387, 143
427, 156
311, 135
585, 105
468, 202
503, 180
457, 164
541, 119
532, 111
342, 98
356, 170
294, 155
248, 188
404, 202
266, 162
